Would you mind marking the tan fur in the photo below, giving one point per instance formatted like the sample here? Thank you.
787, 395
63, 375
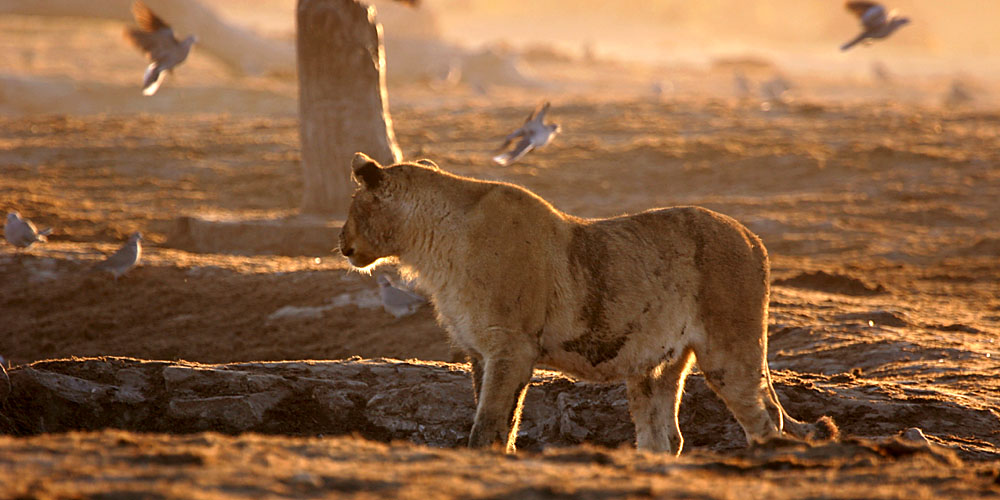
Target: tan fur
518, 283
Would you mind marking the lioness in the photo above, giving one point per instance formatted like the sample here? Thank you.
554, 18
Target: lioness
517, 282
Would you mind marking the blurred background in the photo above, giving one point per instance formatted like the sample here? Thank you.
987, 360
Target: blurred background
947, 56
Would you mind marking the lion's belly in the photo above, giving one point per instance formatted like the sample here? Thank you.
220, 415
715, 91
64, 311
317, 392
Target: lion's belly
617, 353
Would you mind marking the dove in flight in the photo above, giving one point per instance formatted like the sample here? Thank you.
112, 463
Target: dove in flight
124, 259
958, 94
22, 233
876, 22
156, 39
742, 85
533, 134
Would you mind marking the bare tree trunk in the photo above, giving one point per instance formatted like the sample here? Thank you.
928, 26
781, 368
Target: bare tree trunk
343, 105
240, 49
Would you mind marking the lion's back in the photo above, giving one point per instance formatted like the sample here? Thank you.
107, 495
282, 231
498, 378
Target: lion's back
628, 280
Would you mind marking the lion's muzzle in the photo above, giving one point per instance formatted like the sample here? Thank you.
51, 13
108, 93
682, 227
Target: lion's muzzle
355, 255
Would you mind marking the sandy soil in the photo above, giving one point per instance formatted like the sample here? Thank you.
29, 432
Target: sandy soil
880, 214
254, 466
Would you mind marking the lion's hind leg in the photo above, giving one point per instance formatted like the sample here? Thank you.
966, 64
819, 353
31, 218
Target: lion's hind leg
654, 399
745, 389
824, 428
749, 393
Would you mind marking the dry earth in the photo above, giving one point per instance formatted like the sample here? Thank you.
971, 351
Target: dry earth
120, 465
882, 222
881, 217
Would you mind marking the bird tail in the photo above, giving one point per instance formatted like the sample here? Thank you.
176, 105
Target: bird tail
152, 79
852, 43
502, 159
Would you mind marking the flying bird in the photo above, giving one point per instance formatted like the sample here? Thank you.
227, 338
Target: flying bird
742, 85
534, 134
875, 21
156, 39
22, 233
958, 94
776, 90
397, 299
881, 73
124, 259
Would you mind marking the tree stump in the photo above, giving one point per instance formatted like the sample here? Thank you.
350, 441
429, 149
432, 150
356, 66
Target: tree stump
343, 104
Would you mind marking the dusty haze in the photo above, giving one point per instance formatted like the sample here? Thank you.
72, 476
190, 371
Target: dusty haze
871, 176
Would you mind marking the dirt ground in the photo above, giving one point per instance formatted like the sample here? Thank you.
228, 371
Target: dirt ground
206, 466
880, 214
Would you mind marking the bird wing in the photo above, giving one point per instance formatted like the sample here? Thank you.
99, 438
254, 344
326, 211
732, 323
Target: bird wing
29, 227
156, 45
539, 113
859, 8
523, 147
871, 14
874, 17
146, 19
510, 138
122, 258
154, 37
30, 233
22, 232
402, 296
408, 286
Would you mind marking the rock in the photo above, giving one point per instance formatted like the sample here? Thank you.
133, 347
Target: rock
4, 384
423, 402
232, 413
916, 435
419, 401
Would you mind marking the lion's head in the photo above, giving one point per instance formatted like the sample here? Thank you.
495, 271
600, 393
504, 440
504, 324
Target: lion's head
379, 213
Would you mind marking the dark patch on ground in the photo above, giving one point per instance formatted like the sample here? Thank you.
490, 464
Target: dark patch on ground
169, 459
885, 318
832, 283
309, 484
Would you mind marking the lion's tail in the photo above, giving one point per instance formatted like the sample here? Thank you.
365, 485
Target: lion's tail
823, 429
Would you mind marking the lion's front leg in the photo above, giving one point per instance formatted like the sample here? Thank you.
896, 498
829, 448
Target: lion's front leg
505, 378
477, 374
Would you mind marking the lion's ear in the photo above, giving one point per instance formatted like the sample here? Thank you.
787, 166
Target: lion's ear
366, 170
427, 163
